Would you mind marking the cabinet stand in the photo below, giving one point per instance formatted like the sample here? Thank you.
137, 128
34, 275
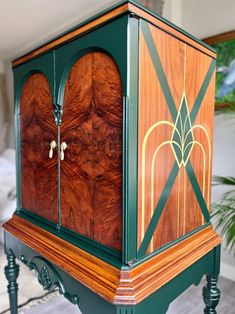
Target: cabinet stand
51, 276
211, 294
12, 272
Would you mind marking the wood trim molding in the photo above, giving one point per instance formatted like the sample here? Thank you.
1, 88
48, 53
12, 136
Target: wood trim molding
129, 286
157, 22
219, 38
69, 36
127, 7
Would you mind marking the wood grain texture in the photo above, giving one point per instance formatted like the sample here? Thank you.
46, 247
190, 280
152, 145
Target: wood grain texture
91, 174
220, 38
128, 7
130, 286
203, 127
185, 69
37, 130
171, 30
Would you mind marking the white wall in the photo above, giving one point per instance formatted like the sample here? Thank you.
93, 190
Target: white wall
172, 11
204, 18
1, 111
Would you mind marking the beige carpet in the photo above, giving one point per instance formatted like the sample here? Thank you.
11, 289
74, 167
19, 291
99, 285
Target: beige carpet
189, 302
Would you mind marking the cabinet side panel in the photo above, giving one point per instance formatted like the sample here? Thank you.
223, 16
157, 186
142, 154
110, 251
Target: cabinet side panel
91, 174
176, 102
37, 130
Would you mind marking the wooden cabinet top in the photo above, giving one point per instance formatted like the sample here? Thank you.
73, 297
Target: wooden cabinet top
113, 12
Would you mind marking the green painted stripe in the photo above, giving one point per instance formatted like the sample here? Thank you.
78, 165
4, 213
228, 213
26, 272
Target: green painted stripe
173, 111
202, 91
158, 211
197, 190
158, 68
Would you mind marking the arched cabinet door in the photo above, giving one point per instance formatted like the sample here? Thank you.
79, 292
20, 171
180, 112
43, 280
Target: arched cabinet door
91, 172
37, 130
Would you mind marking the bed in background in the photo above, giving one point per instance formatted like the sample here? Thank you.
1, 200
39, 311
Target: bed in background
7, 186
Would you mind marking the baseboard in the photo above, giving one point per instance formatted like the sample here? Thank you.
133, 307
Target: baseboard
227, 271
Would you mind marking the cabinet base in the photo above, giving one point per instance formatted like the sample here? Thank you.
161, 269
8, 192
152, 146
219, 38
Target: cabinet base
127, 286
50, 276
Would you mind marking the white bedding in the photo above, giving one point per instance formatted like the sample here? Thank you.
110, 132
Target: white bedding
7, 185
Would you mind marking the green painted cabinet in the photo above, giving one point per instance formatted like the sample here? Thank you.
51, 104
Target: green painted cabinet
114, 129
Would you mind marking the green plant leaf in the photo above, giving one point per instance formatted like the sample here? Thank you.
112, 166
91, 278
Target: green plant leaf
224, 214
219, 180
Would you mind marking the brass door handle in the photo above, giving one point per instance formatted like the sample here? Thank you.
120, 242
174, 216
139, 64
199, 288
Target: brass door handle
52, 146
63, 147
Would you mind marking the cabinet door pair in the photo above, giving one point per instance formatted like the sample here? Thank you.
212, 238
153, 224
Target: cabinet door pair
71, 174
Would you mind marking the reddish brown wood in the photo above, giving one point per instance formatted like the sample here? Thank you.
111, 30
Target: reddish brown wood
220, 38
91, 174
128, 286
182, 212
37, 130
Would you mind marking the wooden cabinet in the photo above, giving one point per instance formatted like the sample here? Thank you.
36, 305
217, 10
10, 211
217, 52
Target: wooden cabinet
114, 125
91, 173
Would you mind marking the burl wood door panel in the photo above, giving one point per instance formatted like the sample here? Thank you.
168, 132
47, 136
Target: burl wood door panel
91, 173
176, 104
37, 130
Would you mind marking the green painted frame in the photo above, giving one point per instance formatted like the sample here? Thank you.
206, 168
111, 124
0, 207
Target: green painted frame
91, 303
174, 114
123, 47
56, 65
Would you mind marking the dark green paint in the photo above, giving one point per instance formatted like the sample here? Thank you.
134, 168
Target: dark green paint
67, 55
167, 246
11, 273
116, 47
182, 136
217, 261
90, 303
158, 68
202, 91
17, 160
161, 299
56, 66
179, 137
58, 179
158, 211
126, 310
130, 145
43, 64
197, 190
124, 49
211, 295
48, 276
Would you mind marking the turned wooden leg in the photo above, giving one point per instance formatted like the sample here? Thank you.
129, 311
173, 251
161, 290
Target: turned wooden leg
125, 310
211, 295
12, 272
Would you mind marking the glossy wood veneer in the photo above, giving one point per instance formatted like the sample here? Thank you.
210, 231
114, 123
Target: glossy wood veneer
37, 130
91, 173
182, 212
127, 286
